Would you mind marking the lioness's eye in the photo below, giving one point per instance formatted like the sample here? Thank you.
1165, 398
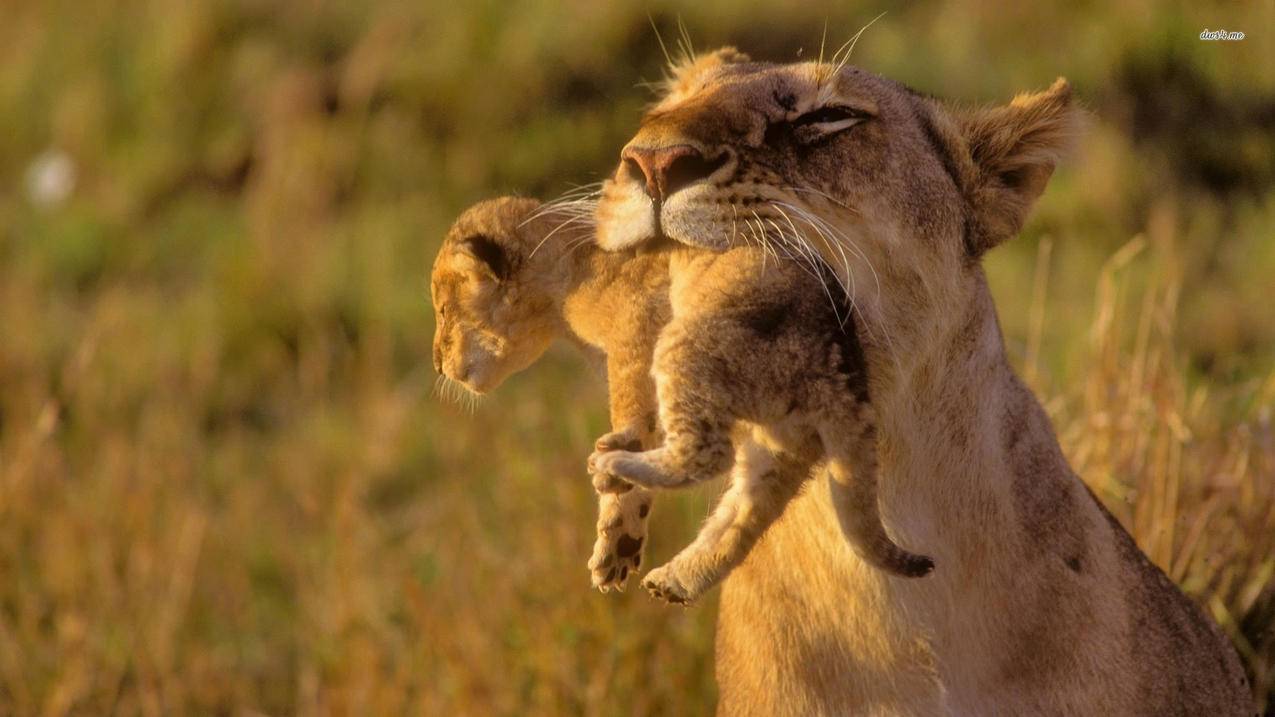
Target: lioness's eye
816, 124
827, 120
832, 114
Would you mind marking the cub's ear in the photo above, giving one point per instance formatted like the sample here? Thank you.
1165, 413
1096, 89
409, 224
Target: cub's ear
1014, 150
491, 258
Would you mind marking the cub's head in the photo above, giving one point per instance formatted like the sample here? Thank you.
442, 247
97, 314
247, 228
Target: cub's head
493, 308
814, 158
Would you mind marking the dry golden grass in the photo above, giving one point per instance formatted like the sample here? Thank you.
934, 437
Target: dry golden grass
317, 580
226, 485
1196, 489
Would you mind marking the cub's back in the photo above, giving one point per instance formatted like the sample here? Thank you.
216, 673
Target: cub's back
749, 284
786, 329
624, 297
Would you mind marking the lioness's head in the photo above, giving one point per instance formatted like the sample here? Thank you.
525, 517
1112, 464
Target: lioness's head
811, 158
493, 313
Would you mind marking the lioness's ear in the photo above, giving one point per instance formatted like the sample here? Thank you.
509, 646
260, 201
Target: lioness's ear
1014, 149
490, 257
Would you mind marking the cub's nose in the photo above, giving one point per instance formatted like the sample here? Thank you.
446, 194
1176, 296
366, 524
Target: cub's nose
668, 169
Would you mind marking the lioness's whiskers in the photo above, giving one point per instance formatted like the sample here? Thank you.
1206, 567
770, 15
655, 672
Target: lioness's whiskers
845, 260
797, 234
798, 252
817, 263
583, 241
835, 238
840, 239
668, 59
577, 205
823, 195
579, 200
839, 60
581, 205
583, 189
762, 239
848, 291
555, 230
581, 216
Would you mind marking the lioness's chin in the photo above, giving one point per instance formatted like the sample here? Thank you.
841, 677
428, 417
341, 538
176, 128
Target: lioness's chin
711, 240
618, 241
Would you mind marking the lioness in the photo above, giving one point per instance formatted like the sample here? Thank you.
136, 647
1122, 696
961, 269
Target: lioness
1043, 603
508, 279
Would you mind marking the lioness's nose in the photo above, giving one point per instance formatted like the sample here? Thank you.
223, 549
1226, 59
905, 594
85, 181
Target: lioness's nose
667, 169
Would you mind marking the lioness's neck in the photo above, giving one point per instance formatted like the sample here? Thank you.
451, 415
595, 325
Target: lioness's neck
949, 486
941, 404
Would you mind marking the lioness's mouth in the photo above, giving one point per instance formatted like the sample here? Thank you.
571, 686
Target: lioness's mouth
657, 242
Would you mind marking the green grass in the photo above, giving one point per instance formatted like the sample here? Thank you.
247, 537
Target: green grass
225, 484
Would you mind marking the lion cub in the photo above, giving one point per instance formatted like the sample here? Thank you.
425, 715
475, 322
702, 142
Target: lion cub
763, 343
509, 279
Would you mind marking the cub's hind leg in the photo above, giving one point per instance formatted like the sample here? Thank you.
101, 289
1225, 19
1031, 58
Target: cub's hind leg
621, 529
623, 508
690, 455
696, 418
762, 484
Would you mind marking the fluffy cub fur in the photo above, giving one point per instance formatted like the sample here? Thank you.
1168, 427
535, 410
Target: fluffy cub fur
508, 280
511, 276
759, 343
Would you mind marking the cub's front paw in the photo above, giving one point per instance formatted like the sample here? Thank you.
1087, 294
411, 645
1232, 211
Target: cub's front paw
602, 469
665, 583
626, 439
608, 484
604, 481
621, 534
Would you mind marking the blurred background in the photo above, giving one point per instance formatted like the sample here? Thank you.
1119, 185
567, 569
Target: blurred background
226, 485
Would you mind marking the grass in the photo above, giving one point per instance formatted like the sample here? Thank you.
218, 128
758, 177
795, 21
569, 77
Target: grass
226, 486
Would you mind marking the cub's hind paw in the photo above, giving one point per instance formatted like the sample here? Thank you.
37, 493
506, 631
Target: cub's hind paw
610, 566
664, 584
621, 535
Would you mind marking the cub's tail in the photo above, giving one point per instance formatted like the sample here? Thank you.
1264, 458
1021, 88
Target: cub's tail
854, 496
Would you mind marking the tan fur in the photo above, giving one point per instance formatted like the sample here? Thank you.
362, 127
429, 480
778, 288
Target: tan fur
756, 344
508, 280
505, 256
1042, 604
